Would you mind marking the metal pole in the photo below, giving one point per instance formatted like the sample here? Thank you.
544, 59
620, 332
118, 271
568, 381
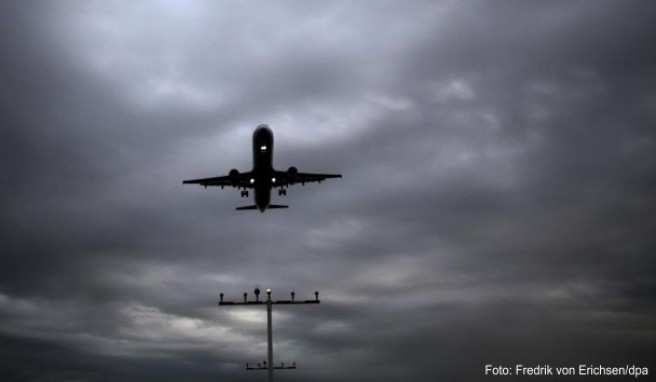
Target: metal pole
270, 335
269, 303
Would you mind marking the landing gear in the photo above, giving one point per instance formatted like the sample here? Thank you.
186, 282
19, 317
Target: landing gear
282, 192
244, 194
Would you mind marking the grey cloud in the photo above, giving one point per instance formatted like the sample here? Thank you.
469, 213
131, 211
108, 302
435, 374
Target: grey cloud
496, 205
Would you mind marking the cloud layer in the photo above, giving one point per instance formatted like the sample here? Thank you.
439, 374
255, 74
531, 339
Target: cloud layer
496, 207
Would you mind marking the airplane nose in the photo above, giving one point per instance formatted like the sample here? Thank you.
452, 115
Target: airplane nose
263, 132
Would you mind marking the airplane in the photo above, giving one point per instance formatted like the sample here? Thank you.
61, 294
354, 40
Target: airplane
263, 177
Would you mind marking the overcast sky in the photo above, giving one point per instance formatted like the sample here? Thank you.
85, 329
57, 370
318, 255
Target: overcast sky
497, 202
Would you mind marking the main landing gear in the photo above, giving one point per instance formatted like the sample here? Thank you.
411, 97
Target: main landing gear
244, 194
282, 192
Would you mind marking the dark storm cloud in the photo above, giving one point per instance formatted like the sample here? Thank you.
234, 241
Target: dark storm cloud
496, 206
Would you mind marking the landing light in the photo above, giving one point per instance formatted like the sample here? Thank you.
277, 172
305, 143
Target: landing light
252, 180
273, 180
263, 148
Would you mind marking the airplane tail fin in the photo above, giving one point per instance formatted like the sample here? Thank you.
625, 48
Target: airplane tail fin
277, 206
253, 207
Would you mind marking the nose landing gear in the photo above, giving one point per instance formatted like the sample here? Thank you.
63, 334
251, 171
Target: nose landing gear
282, 192
244, 194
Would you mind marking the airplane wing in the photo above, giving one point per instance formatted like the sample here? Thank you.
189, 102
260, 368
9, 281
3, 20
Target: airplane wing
237, 180
292, 177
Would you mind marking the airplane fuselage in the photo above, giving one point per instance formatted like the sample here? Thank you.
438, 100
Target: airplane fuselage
262, 166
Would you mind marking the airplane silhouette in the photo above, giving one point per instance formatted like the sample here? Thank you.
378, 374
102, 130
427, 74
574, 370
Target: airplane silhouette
263, 177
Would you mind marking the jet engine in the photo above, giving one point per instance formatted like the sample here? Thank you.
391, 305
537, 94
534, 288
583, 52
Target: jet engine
234, 177
291, 173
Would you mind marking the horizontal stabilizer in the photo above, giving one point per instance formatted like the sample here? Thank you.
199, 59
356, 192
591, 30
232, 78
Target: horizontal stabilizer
253, 207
